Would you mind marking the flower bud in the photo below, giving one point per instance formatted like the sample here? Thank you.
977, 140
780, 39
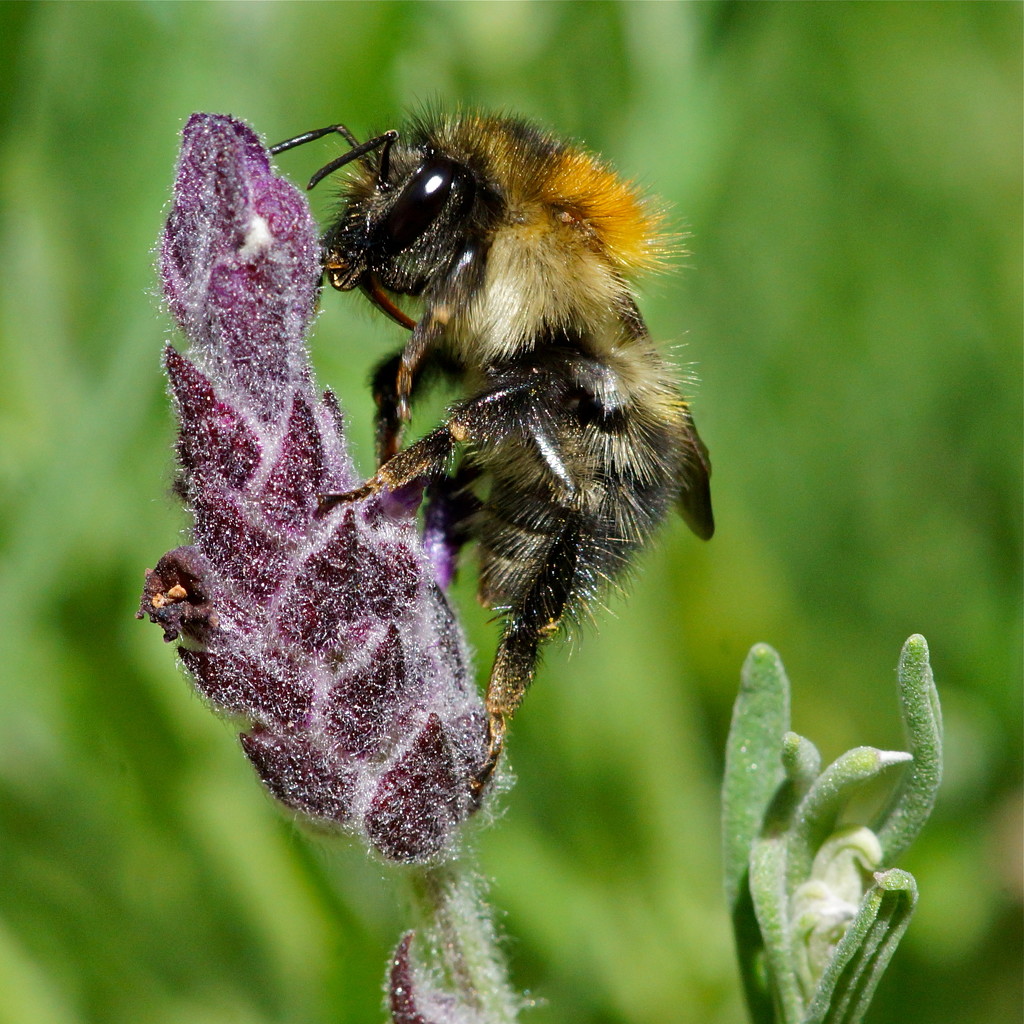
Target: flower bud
329, 636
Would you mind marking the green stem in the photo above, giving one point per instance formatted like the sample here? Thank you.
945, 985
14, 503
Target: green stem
456, 936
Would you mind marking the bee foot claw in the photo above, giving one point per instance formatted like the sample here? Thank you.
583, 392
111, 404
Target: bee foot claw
329, 501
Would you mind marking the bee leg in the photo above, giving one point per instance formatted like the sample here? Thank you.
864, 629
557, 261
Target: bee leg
535, 617
387, 423
414, 357
538, 601
427, 458
495, 745
511, 675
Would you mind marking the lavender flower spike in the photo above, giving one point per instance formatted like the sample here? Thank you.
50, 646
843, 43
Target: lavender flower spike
328, 636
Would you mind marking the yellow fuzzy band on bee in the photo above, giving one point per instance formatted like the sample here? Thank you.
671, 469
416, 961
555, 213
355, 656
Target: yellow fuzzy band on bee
622, 219
625, 223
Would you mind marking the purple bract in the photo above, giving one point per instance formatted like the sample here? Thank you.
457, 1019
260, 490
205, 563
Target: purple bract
329, 637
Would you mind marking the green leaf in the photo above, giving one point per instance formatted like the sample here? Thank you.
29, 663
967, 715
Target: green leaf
822, 908
819, 811
903, 818
771, 905
801, 763
753, 775
753, 766
812, 943
848, 984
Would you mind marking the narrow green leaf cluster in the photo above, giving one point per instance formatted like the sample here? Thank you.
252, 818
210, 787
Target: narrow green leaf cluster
816, 913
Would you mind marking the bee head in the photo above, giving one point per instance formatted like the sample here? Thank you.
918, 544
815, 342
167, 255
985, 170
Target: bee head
406, 221
509, 231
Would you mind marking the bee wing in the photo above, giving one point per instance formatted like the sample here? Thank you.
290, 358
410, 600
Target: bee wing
695, 485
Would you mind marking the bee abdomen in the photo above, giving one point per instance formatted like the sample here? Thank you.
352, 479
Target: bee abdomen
559, 549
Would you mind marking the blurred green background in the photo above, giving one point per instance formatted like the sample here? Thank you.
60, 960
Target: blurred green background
850, 179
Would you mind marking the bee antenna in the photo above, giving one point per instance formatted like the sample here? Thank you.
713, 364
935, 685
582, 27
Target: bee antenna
386, 140
358, 150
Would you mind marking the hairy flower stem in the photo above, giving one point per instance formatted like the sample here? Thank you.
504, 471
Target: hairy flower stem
456, 938
436, 891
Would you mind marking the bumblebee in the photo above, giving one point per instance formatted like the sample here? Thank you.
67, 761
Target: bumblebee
575, 440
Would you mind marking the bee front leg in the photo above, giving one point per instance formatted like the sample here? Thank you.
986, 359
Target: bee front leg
427, 458
396, 380
414, 357
483, 418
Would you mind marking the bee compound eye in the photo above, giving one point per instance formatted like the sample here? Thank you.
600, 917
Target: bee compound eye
420, 203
